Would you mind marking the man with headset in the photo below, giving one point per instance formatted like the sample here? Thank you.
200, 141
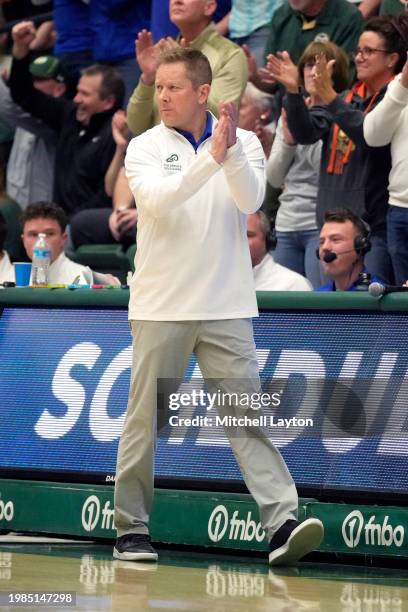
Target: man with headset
269, 275
344, 240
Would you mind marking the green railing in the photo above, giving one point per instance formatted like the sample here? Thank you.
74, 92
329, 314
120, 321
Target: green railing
276, 300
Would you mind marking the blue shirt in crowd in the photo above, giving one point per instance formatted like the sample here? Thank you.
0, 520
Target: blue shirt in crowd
357, 286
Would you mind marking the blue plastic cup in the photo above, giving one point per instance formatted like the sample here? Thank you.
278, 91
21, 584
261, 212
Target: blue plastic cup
22, 271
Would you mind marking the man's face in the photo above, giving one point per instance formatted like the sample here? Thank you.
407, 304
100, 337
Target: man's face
250, 113
190, 12
339, 238
256, 239
55, 237
307, 7
178, 102
88, 98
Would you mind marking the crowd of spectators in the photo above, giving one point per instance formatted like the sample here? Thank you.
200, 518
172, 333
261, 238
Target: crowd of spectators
323, 84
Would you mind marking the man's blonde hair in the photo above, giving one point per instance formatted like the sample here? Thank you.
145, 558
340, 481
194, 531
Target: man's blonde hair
198, 67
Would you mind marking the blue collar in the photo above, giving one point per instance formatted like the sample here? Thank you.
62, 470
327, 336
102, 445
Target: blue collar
356, 286
206, 134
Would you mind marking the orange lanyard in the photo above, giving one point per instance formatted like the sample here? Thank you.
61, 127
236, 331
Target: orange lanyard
361, 90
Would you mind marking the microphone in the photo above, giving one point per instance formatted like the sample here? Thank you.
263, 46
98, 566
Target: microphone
330, 256
378, 290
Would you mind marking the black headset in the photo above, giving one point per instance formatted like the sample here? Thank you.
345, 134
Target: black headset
271, 240
362, 242
267, 230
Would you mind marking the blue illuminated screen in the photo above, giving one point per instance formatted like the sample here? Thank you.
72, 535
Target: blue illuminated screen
64, 380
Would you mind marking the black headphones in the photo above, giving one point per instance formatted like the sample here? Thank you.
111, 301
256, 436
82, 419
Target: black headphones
268, 232
362, 242
271, 240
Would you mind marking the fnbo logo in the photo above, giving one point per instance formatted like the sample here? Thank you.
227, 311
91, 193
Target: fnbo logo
351, 528
220, 524
95, 516
91, 511
355, 529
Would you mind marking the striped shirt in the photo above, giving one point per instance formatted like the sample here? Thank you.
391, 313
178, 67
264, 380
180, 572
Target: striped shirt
246, 17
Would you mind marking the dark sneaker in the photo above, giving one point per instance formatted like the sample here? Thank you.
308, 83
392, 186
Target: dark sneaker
134, 547
294, 540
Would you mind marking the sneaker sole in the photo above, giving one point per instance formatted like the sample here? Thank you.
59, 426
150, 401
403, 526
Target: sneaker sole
135, 556
135, 566
304, 538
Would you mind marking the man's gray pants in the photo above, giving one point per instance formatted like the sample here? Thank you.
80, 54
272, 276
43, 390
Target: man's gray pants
225, 350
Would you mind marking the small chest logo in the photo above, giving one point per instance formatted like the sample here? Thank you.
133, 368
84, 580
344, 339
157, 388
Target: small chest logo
322, 37
171, 165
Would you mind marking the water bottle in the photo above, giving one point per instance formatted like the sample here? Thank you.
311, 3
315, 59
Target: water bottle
41, 261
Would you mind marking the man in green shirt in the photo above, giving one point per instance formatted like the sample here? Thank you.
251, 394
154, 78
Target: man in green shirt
392, 7
227, 60
299, 22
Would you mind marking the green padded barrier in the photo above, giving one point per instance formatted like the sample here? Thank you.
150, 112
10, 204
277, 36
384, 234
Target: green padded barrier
64, 298
308, 300
275, 300
200, 518
104, 258
101, 255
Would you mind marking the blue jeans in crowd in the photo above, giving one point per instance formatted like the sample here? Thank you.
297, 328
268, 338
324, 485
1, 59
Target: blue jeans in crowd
256, 42
397, 236
130, 72
297, 251
378, 259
